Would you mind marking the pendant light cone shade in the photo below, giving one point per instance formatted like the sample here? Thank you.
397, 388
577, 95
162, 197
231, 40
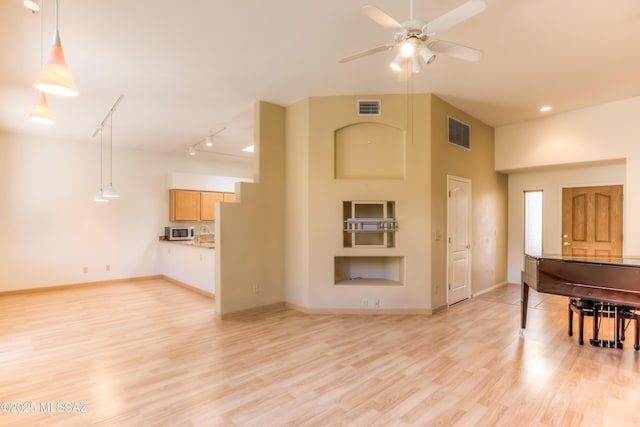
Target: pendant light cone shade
99, 198
40, 112
55, 77
33, 5
110, 193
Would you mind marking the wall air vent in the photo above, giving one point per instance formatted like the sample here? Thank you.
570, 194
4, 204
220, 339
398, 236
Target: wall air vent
459, 133
369, 107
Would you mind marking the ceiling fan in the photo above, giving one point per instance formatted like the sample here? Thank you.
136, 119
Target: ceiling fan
417, 47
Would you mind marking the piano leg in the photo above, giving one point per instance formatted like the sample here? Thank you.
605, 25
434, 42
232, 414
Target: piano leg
523, 307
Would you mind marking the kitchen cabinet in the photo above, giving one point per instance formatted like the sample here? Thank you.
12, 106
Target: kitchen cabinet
184, 205
207, 205
188, 264
191, 205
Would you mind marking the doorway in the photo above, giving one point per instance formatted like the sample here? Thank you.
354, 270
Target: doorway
458, 239
592, 221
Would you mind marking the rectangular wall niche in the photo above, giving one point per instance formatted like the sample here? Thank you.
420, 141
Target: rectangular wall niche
369, 224
369, 151
362, 270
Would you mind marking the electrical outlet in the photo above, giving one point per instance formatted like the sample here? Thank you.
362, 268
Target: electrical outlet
377, 303
255, 288
85, 269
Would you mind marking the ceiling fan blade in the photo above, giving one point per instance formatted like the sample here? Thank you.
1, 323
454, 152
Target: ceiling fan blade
456, 50
366, 53
455, 16
380, 17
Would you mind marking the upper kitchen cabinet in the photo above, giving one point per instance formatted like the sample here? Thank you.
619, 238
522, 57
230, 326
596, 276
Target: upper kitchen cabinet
191, 205
184, 205
207, 205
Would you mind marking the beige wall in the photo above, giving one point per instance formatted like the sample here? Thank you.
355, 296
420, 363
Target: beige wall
53, 229
489, 202
297, 222
577, 148
311, 214
250, 234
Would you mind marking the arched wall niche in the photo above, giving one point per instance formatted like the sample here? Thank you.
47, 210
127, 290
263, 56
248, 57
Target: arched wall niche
369, 151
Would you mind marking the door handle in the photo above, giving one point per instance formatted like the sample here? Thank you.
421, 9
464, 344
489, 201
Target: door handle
567, 243
468, 246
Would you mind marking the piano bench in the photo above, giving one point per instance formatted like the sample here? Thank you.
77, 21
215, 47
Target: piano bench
629, 313
582, 307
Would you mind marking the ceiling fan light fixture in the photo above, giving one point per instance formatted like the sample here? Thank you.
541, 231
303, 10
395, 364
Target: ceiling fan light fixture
192, 151
396, 64
40, 112
208, 141
427, 56
408, 48
416, 66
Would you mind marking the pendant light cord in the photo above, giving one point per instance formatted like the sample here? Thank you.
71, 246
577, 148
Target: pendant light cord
111, 150
41, 34
101, 161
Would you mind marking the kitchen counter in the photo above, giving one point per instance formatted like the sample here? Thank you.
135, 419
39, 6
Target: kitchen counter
192, 243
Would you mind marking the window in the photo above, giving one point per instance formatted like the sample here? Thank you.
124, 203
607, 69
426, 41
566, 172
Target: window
533, 223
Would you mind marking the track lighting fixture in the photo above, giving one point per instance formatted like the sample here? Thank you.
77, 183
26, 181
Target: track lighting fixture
208, 142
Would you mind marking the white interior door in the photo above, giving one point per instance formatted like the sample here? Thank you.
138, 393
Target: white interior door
458, 239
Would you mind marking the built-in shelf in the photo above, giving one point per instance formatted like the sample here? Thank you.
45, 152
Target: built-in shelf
369, 224
369, 271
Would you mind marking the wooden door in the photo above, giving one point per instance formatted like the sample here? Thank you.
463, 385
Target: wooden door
458, 239
592, 221
207, 205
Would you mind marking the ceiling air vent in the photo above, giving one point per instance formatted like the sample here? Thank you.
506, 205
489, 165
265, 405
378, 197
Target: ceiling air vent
459, 133
368, 107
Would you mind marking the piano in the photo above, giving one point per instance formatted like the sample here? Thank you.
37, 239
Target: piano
611, 280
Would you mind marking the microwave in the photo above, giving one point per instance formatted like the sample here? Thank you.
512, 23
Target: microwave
179, 233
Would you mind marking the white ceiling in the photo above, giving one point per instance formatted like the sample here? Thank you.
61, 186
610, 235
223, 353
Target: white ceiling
188, 69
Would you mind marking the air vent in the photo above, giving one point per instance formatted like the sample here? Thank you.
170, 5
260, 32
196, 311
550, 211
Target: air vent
368, 107
459, 133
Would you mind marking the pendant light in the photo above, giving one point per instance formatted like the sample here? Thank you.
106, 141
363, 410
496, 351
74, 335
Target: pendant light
40, 112
110, 192
32, 5
55, 77
99, 196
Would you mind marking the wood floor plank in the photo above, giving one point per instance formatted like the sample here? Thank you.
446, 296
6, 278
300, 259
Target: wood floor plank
152, 353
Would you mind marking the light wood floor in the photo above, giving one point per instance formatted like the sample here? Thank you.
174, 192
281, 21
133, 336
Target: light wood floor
151, 353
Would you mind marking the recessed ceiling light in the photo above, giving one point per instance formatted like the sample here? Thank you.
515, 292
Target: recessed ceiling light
545, 109
248, 149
